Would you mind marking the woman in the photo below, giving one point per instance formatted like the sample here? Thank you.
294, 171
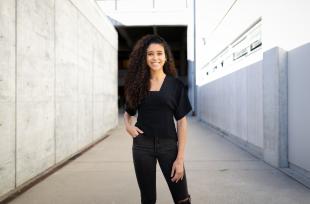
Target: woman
152, 90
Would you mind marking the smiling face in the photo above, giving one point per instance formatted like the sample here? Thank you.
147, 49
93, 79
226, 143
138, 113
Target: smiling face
155, 57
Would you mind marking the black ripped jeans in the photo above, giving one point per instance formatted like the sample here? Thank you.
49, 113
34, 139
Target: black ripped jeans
146, 152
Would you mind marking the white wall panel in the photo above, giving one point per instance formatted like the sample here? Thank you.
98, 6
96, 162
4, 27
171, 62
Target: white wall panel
234, 104
7, 96
35, 88
298, 106
60, 78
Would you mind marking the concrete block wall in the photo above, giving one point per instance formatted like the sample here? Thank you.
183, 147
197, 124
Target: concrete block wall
234, 104
272, 113
58, 84
275, 107
298, 107
34, 89
7, 95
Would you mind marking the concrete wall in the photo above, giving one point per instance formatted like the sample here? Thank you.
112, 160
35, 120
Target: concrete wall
234, 105
260, 103
286, 25
219, 23
232, 101
7, 95
298, 106
58, 84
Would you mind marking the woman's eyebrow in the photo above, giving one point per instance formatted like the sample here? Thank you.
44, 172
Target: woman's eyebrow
151, 51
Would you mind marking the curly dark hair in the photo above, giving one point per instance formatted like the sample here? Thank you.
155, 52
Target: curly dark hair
137, 81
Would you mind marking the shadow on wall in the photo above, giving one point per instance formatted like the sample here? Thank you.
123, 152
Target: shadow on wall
191, 83
234, 105
263, 108
298, 107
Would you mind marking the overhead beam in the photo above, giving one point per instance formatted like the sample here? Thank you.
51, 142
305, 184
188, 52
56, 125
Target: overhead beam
122, 31
155, 30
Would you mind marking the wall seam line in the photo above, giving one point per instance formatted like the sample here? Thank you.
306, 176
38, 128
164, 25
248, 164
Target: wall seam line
77, 79
92, 24
93, 92
15, 150
55, 139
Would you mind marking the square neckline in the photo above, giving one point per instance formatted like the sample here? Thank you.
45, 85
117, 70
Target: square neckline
161, 87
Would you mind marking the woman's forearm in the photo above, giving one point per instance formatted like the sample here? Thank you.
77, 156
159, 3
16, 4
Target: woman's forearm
127, 119
182, 132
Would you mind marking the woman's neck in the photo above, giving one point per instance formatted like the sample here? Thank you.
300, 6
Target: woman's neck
157, 75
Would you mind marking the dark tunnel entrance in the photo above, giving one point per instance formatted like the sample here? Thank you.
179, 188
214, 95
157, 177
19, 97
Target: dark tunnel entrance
176, 36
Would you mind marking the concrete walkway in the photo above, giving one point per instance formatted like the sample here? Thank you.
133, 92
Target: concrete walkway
218, 172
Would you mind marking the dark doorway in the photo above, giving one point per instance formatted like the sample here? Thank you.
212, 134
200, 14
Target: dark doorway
176, 37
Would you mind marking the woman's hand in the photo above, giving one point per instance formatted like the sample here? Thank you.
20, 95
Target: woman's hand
133, 131
177, 171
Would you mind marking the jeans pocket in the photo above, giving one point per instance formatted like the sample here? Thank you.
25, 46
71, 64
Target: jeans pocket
139, 135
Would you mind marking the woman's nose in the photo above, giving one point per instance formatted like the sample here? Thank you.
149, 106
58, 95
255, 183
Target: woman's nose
155, 57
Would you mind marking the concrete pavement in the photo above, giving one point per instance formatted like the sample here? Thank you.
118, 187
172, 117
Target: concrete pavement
218, 172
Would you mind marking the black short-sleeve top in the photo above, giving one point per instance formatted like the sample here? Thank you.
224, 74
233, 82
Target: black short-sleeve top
157, 110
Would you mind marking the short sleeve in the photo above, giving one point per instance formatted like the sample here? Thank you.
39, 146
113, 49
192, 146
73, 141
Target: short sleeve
129, 110
183, 104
